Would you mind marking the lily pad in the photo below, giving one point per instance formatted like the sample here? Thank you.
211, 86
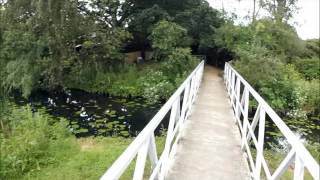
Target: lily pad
82, 130
102, 130
124, 133
75, 126
110, 112
92, 124
101, 120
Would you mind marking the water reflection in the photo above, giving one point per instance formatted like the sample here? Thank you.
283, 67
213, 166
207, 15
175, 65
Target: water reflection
94, 114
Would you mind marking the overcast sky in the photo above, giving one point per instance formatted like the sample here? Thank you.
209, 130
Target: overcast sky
306, 20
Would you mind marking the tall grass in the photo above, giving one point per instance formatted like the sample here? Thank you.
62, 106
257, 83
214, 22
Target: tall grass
37, 146
28, 142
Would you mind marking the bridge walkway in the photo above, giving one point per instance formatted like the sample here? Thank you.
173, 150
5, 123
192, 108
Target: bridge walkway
209, 147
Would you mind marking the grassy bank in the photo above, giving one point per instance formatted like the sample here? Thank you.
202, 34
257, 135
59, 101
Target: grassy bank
274, 158
86, 158
40, 147
89, 159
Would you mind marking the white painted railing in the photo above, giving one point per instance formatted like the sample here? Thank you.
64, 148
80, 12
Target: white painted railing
144, 144
240, 92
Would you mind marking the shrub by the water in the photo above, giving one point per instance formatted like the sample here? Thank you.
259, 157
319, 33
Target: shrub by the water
30, 142
37, 146
308, 67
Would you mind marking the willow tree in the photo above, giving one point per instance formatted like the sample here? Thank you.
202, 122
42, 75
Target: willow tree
46, 42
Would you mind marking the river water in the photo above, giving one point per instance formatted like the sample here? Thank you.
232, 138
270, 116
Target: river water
95, 114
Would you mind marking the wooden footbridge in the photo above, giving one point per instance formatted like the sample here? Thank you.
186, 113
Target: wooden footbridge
210, 137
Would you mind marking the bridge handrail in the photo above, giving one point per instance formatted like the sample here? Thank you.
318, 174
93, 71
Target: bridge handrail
240, 103
144, 143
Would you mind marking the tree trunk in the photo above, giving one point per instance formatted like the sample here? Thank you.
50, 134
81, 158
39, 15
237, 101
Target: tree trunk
254, 11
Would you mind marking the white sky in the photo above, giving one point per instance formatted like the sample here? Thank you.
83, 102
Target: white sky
306, 20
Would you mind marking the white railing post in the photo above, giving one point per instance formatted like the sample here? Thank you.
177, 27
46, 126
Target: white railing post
237, 108
229, 82
184, 105
194, 90
254, 121
245, 117
152, 152
199, 77
284, 165
191, 92
298, 168
260, 144
226, 76
169, 138
141, 161
233, 78
225, 72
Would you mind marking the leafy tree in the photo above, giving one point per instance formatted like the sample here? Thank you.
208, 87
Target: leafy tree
172, 7
279, 39
201, 23
148, 13
46, 41
312, 48
281, 10
262, 52
141, 25
108, 13
168, 35
274, 80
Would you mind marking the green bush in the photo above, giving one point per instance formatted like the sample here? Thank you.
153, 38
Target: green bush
161, 84
156, 86
178, 62
312, 48
310, 90
30, 143
167, 35
309, 67
262, 53
277, 39
276, 81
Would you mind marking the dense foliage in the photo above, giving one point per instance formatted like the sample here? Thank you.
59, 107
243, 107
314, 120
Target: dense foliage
81, 44
33, 150
45, 44
281, 66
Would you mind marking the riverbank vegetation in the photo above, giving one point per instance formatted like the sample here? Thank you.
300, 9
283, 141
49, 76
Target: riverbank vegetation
288, 77
37, 146
82, 44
